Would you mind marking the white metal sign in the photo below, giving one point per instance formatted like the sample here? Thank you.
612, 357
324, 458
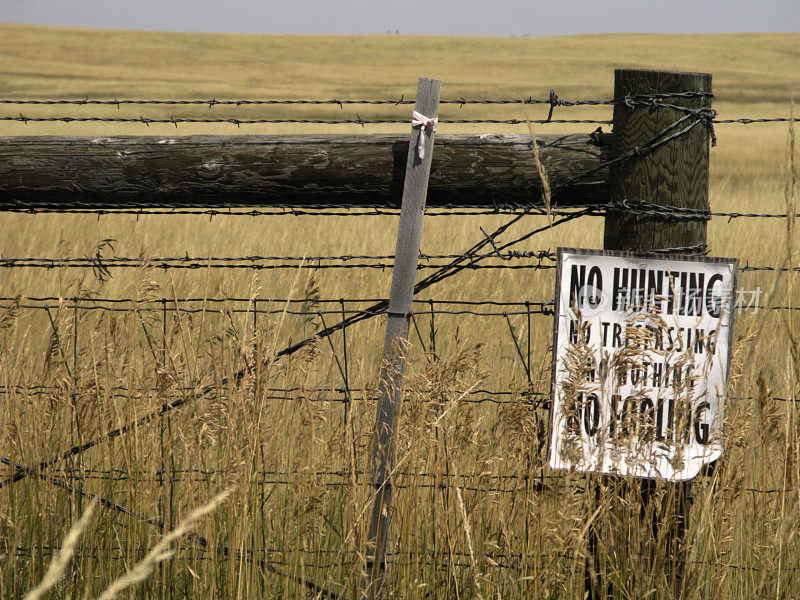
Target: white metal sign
641, 350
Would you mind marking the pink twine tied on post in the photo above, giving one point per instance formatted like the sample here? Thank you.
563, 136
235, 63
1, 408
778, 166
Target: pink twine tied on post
425, 124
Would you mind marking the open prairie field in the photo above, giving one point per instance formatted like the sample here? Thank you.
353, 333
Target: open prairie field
476, 513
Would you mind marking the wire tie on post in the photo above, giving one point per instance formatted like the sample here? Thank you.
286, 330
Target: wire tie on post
398, 315
711, 133
709, 114
425, 124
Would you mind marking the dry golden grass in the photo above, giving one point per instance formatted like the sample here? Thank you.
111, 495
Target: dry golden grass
300, 466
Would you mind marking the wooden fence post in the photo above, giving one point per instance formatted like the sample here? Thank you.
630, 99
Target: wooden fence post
673, 175
418, 166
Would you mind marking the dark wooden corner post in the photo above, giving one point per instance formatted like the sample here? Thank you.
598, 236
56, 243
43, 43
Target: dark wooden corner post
418, 167
672, 175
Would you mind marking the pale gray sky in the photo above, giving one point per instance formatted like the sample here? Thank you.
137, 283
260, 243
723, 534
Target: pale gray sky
465, 17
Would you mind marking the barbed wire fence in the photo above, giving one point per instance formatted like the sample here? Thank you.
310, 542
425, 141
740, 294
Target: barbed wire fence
484, 255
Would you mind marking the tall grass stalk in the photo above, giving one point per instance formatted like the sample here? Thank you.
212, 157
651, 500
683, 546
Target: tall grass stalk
161, 551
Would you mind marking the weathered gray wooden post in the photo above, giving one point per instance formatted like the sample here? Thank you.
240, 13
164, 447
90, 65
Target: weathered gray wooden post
415, 189
673, 175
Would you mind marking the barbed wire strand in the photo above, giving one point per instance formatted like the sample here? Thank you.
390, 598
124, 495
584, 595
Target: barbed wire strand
645, 100
354, 121
102, 264
329, 210
552, 100
99, 304
415, 558
362, 478
239, 122
528, 397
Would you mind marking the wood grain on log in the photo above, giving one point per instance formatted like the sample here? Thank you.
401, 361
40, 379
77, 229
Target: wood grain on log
299, 170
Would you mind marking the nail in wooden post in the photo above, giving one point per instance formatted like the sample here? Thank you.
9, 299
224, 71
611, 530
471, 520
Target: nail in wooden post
409, 231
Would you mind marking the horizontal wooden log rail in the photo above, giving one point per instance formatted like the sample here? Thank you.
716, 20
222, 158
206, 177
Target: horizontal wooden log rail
472, 171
